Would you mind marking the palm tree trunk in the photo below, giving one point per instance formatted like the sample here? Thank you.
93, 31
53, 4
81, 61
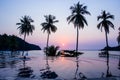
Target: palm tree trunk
24, 36
77, 39
47, 40
24, 44
106, 39
47, 64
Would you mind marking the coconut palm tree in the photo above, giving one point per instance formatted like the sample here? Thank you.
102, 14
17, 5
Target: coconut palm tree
118, 38
25, 26
77, 18
49, 26
105, 23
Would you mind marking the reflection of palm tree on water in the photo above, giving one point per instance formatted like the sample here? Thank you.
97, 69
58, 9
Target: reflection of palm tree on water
79, 75
107, 55
78, 19
25, 71
47, 73
108, 73
77, 67
119, 63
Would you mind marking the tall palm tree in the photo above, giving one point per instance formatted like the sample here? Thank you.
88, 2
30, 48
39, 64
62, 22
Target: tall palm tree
49, 26
77, 18
25, 26
105, 23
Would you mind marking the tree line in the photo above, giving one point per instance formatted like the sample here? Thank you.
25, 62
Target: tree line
13, 43
77, 17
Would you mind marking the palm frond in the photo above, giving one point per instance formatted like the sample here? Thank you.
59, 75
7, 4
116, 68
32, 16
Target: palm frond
77, 18
110, 24
99, 26
84, 20
55, 21
110, 17
105, 23
25, 25
18, 23
53, 28
48, 25
99, 17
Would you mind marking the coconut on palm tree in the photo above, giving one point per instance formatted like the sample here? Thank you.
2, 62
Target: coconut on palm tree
77, 18
49, 26
105, 23
25, 26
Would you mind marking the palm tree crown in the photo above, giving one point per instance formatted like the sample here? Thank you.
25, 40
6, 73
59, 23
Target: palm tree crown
49, 25
77, 18
78, 10
105, 23
25, 26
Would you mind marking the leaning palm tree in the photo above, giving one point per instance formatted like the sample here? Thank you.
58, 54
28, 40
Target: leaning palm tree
49, 26
25, 26
77, 18
105, 23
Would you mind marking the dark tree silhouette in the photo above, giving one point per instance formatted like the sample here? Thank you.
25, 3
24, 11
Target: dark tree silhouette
49, 25
4, 41
105, 23
77, 18
25, 26
13, 43
52, 50
118, 38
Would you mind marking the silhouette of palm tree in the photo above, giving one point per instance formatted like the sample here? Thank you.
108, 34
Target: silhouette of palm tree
25, 26
105, 23
118, 38
48, 26
77, 18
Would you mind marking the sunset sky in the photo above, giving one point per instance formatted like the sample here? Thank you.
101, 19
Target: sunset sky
89, 38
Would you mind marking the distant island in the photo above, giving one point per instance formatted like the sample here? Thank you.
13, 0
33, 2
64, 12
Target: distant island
12, 42
116, 48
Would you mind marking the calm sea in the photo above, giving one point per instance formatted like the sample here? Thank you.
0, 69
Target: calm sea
90, 64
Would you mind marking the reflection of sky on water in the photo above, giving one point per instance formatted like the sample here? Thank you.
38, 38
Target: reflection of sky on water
90, 64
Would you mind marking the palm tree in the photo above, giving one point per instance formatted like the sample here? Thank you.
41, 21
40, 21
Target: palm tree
118, 38
105, 23
77, 18
25, 26
49, 26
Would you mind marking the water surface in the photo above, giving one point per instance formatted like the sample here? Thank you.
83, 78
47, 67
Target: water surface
89, 64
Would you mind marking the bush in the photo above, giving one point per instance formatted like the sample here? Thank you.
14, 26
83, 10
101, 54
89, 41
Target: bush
51, 50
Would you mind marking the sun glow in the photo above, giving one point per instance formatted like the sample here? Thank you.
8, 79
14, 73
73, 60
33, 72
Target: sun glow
63, 44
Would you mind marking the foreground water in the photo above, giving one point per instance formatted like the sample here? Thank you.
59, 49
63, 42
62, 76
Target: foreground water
90, 64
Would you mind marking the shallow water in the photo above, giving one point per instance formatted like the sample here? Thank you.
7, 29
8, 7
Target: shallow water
89, 64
